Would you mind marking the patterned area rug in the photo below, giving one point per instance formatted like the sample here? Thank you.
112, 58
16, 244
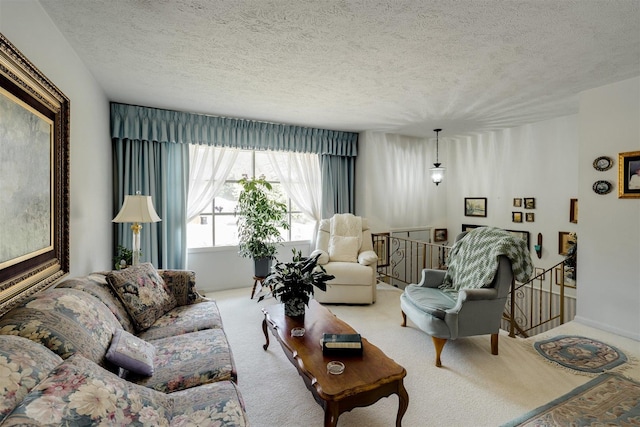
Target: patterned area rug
608, 400
581, 354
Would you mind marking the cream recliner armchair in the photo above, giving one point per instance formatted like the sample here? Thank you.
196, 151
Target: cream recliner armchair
346, 251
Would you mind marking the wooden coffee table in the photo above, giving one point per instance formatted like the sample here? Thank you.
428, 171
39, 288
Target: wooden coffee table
366, 378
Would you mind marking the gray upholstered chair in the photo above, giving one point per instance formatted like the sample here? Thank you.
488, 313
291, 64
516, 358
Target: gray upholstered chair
469, 298
346, 252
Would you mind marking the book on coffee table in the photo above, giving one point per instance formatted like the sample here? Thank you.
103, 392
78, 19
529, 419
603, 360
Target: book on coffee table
341, 344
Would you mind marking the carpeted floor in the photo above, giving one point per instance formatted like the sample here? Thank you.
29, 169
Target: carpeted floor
473, 388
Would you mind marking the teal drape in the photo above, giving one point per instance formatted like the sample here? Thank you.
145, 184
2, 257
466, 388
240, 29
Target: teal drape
151, 156
161, 171
338, 185
152, 124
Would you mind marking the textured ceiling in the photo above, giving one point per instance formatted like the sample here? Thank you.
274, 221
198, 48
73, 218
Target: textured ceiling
398, 66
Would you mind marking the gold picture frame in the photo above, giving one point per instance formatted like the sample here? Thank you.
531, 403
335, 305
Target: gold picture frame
529, 203
35, 248
629, 175
564, 241
381, 248
573, 211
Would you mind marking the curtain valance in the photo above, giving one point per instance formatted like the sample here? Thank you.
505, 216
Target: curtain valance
152, 124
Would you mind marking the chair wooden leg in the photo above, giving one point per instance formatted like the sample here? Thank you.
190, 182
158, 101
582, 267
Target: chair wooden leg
404, 319
494, 344
438, 343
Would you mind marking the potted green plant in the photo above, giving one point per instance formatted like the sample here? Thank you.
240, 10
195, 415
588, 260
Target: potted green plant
293, 283
260, 217
123, 258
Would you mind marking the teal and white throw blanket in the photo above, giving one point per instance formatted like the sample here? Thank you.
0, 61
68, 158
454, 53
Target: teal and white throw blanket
473, 260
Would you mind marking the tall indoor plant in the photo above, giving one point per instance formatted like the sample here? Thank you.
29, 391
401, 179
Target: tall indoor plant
259, 219
293, 283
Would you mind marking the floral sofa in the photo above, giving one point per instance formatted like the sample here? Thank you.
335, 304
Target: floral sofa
130, 347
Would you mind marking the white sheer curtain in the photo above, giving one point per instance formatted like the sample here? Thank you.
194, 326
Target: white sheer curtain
209, 167
299, 174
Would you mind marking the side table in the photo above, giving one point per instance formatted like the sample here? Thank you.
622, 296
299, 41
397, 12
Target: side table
256, 280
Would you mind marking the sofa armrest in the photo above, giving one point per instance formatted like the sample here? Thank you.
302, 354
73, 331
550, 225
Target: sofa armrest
323, 258
182, 284
367, 258
431, 278
477, 294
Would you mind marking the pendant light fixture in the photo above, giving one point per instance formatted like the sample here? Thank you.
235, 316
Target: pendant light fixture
437, 172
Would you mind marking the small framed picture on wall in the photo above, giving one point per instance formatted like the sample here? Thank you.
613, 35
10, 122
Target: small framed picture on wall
440, 235
530, 216
517, 202
475, 206
573, 211
565, 240
516, 216
529, 203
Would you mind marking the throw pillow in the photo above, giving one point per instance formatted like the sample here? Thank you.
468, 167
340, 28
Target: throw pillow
143, 293
131, 353
342, 248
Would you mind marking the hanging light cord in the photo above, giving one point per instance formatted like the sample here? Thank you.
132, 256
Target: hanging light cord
437, 131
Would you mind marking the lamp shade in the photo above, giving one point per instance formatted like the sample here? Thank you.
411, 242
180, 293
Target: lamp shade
137, 209
437, 173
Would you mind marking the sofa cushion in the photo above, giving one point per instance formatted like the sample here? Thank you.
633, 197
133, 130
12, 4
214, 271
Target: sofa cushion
189, 360
78, 392
185, 319
64, 320
96, 284
143, 293
430, 300
23, 364
131, 353
349, 273
343, 248
215, 404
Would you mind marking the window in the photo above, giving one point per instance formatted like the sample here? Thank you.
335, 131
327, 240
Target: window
216, 224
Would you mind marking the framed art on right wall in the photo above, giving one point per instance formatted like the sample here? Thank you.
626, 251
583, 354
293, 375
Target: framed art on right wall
629, 175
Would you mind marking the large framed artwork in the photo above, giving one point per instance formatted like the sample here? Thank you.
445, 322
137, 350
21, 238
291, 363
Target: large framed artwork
34, 179
629, 175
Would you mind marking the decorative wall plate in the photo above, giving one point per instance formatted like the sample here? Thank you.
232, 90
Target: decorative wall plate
602, 187
603, 163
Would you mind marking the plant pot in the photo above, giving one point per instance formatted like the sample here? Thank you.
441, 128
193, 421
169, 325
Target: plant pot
261, 267
294, 307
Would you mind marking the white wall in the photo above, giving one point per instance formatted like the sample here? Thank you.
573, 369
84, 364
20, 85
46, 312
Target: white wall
609, 236
222, 268
25, 24
535, 161
393, 185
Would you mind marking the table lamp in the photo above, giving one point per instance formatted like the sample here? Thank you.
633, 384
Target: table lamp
137, 209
